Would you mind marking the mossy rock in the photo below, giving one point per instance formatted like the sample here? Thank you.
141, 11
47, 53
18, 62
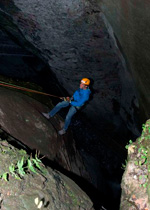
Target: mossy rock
49, 190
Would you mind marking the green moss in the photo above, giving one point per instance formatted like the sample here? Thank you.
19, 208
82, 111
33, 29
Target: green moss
74, 198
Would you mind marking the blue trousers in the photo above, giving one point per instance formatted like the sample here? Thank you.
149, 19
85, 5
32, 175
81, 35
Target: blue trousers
69, 115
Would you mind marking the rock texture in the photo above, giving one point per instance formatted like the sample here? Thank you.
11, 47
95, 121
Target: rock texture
49, 190
136, 179
72, 37
14, 60
20, 116
130, 22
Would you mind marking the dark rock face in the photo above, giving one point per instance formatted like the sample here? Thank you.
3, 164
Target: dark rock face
20, 116
14, 60
72, 37
130, 22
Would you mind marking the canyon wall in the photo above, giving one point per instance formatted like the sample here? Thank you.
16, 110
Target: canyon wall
130, 22
75, 39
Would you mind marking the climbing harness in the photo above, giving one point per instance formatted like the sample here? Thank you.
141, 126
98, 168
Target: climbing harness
5, 84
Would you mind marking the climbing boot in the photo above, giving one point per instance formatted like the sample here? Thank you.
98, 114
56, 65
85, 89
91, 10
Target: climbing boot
62, 132
46, 115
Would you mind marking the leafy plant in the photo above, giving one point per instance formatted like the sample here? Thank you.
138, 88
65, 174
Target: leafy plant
144, 127
143, 157
130, 142
124, 165
22, 167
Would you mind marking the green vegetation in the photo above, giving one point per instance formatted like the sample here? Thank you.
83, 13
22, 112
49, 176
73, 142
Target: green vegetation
23, 166
142, 150
130, 142
124, 165
74, 198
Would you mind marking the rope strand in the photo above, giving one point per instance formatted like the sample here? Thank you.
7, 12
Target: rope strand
5, 84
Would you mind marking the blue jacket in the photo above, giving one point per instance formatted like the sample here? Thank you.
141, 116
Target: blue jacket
80, 97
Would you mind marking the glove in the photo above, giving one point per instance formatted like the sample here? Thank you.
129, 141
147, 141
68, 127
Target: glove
67, 99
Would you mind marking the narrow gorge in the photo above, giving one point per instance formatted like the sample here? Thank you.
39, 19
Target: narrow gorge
49, 46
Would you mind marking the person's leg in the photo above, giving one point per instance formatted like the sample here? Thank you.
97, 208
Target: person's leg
58, 107
69, 116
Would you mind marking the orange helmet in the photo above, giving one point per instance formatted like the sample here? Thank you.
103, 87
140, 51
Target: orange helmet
85, 81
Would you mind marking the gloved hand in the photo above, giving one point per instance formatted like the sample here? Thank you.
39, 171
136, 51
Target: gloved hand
66, 99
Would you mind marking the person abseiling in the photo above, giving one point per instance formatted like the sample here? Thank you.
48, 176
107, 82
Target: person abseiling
78, 99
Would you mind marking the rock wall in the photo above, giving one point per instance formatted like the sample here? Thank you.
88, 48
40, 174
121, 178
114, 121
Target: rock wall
136, 179
130, 22
72, 37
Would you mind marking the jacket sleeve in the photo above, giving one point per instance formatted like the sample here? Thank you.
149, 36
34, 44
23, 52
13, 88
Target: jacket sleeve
80, 102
